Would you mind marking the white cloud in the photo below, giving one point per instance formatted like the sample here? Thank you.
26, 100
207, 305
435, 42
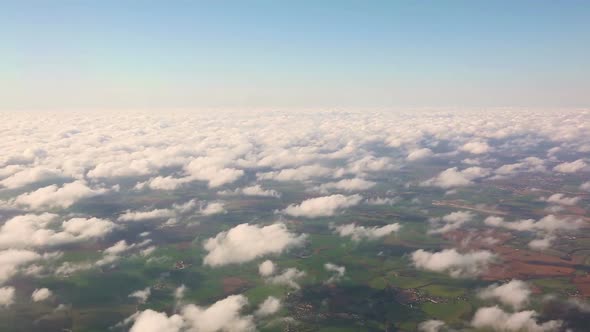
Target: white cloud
288, 277
339, 272
58, 197
213, 208
543, 243
246, 242
571, 167
358, 233
223, 315
322, 206
562, 199
41, 294
451, 177
476, 147
514, 293
499, 320
547, 224
254, 190
348, 185
30, 175
419, 154
297, 174
585, 186
141, 295
118, 248
146, 215
451, 221
452, 262
153, 321
382, 200
266, 268
12, 260
6, 296
270, 306
432, 325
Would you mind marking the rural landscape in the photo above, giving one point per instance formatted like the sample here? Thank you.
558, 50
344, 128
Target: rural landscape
375, 223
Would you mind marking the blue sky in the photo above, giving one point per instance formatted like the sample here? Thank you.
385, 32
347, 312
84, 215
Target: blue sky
293, 55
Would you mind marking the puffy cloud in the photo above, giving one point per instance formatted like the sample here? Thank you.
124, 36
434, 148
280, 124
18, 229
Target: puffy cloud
543, 243
12, 260
153, 321
451, 177
254, 190
213, 171
30, 175
322, 206
270, 306
223, 315
146, 215
58, 197
585, 186
432, 325
382, 200
499, 320
297, 174
358, 233
571, 167
547, 224
141, 295
476, 147
266, 268
451, 261
514, 293
118, 248
246, 242
419, 154
6, 296
41, 294
339, 272
451, 221
288, 277
348, 185
562, 199
212, 208
529, 164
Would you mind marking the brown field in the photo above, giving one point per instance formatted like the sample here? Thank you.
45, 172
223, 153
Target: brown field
232, 285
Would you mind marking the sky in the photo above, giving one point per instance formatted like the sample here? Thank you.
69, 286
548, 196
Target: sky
293, 55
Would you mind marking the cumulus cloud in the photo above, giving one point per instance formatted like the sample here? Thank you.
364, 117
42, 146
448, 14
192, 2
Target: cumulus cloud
419, 154
529, 164
288, 277
514, 293
348, 185
499, 320
58, 197
41, 294
543, 243
302, 173
31, 230
266, 268
322, 206
29, 176
432, 325
212, 208
146, 215
452, 177
451, 221
254, 190
223, 315
141, 295
452, 262
153, 321
382, 200
562, 199
338, 271
476, 147
6, 296
270, 306
571, 167
547, 224
358, 233
585, 186
12, 260
246, 242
